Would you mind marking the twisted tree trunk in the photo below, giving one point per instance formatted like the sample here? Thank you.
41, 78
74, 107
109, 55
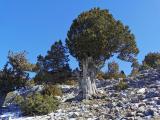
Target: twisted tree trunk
88, 81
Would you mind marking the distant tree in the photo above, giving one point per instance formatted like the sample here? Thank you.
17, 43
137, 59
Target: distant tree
144, 66
101, 75
54, 66
152, 60
113, 71
93, 38
20, 66
113, 67
15, 74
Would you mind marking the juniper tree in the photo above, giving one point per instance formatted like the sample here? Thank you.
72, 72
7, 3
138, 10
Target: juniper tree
93, 38
152, 60
14, 75
113, 70
113, 67
20, 67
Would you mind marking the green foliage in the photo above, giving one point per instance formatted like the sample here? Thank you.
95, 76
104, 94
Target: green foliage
19, 62
105, 76
96, 34
113, 67
30, 83
100, 75
71, 82
42, 77
122, 74
113, 71
18, 100
55, 59
52, 90
54, 66
144, 66
122, 85
38, 104
14, 75
114, 76
7, 80
151, 60
19, 65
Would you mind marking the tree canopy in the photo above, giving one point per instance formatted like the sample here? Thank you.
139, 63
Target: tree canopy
113, 67
94, 37
15, 74
95, 33
54, 66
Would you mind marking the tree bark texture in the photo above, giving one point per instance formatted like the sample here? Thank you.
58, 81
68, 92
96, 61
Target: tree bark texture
88, 80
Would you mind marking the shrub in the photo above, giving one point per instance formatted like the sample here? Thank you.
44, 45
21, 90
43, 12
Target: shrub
30, 83
114, 75
71, 82
113, 71
122, 85
18, 100
144, 66
122, 74
38, 104
134, 73
53, 90
152, 60
100, 76
113, 67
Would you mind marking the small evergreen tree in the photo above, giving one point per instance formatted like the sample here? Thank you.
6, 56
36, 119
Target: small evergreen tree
152, 60
7, 81
113, 68
20, 67
54, 66
113, 71
14, 75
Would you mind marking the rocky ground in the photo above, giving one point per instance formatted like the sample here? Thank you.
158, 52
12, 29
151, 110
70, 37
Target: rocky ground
141, 101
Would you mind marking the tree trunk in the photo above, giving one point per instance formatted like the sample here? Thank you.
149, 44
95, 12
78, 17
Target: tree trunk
88, 84
2, 98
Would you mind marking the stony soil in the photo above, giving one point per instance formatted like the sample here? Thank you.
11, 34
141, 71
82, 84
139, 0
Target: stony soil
140, 101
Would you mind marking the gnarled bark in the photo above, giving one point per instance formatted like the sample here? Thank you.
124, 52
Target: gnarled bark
88, 80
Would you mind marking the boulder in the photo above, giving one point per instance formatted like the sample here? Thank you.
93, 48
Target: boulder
10, 97
141, 91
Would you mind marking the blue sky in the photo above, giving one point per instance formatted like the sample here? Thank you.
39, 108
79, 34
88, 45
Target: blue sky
34, 25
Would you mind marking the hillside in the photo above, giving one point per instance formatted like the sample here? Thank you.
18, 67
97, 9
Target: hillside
140, 101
